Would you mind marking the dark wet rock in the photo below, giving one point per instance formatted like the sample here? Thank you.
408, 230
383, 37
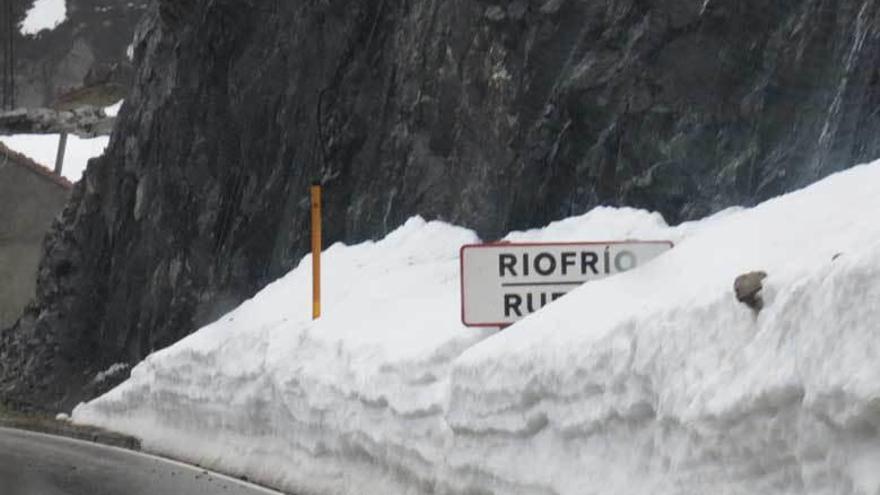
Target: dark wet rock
87, 50
495, 13
496, 119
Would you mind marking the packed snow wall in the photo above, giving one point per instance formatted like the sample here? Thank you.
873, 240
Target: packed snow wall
657, 381
492, 115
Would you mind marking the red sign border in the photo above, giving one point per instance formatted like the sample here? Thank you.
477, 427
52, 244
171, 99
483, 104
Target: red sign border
527, 244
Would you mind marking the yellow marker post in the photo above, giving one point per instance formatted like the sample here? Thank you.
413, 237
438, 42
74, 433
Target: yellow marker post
316, 251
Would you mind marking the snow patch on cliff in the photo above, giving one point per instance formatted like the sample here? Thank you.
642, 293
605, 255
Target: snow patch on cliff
656, 381
45, 14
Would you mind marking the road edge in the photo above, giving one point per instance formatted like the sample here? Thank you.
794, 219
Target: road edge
48, 426
167, 460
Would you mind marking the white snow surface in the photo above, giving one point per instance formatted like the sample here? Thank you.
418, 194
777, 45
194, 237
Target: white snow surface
45, 14
43, 148
113, 110
110, 372
656, 381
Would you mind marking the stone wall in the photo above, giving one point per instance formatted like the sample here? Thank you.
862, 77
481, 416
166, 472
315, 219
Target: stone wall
30, 199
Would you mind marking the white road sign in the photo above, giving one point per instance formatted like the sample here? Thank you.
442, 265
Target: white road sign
502, 283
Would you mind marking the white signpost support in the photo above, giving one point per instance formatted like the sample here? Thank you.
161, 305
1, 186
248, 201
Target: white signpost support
504, 282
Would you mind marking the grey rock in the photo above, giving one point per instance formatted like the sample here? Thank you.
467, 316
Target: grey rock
88, 48
551, 7
495, 13
517, 9
748, 287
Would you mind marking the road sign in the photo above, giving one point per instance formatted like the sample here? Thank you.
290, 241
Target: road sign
504, 282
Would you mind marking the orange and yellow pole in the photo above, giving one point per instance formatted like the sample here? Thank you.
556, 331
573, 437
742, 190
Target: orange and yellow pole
316, 251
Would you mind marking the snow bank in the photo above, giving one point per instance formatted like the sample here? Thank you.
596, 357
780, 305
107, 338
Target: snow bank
656, 381
45, 14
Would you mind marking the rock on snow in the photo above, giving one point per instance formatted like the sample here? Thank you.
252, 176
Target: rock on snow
656, 381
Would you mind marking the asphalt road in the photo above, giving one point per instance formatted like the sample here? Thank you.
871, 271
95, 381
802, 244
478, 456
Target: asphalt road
37, 464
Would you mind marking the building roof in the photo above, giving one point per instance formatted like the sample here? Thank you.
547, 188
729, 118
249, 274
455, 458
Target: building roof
33, 166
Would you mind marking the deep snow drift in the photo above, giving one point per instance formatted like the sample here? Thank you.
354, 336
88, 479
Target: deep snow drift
656, 381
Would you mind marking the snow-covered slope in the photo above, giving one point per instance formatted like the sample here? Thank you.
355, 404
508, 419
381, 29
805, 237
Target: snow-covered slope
656, 381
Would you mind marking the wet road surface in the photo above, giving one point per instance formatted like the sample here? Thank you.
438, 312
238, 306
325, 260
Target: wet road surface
37, 464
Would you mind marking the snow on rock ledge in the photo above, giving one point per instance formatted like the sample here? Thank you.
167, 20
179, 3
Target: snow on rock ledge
45, 14
656, 381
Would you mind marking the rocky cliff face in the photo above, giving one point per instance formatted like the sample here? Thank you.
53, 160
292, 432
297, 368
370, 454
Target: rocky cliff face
495, 115
89, 47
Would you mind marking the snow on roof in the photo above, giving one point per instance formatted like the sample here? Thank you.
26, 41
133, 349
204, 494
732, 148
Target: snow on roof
45, 14
24, 161
42, 148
